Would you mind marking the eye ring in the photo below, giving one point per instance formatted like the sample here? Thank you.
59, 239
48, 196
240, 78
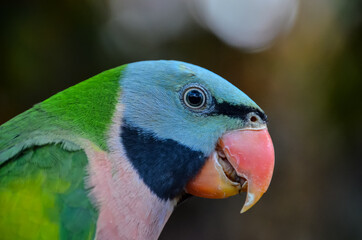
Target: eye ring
194, 98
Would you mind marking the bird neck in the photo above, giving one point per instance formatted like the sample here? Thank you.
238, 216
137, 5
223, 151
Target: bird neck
127, 207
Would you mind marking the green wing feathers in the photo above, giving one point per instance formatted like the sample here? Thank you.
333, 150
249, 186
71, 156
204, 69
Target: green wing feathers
42, 166
43, 196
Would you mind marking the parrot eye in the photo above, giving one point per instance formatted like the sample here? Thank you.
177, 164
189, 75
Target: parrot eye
194, 98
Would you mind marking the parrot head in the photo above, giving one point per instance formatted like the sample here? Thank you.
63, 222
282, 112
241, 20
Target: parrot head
188, 130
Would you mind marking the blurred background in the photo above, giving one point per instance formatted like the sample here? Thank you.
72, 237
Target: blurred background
300, 61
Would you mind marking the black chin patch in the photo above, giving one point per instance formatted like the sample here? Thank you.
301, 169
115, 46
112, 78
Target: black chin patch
164, 165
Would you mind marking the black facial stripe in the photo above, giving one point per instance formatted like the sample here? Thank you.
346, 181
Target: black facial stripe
165, 166
235, 111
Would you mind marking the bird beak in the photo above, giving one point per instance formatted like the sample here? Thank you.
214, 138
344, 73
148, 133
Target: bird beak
242, 161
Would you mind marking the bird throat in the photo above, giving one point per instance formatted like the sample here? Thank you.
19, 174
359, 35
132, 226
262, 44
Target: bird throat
127, 208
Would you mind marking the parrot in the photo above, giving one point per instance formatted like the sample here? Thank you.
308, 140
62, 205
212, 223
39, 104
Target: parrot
112, 156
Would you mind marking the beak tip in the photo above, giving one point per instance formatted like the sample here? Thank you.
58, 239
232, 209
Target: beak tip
245, 208
251, 200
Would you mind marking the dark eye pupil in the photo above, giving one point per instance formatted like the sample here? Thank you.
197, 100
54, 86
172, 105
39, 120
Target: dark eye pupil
195, 98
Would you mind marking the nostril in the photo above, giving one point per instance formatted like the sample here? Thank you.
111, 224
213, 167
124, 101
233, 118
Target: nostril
253, 119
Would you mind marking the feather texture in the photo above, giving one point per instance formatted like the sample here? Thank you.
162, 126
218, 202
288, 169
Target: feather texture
43, 166
43, 196
82, 111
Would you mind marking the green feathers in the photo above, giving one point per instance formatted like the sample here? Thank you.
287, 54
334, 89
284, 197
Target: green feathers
82, 111
43, 196
87, 107
42, 166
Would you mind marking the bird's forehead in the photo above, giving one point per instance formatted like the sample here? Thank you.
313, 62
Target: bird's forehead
220, 89
174, 75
